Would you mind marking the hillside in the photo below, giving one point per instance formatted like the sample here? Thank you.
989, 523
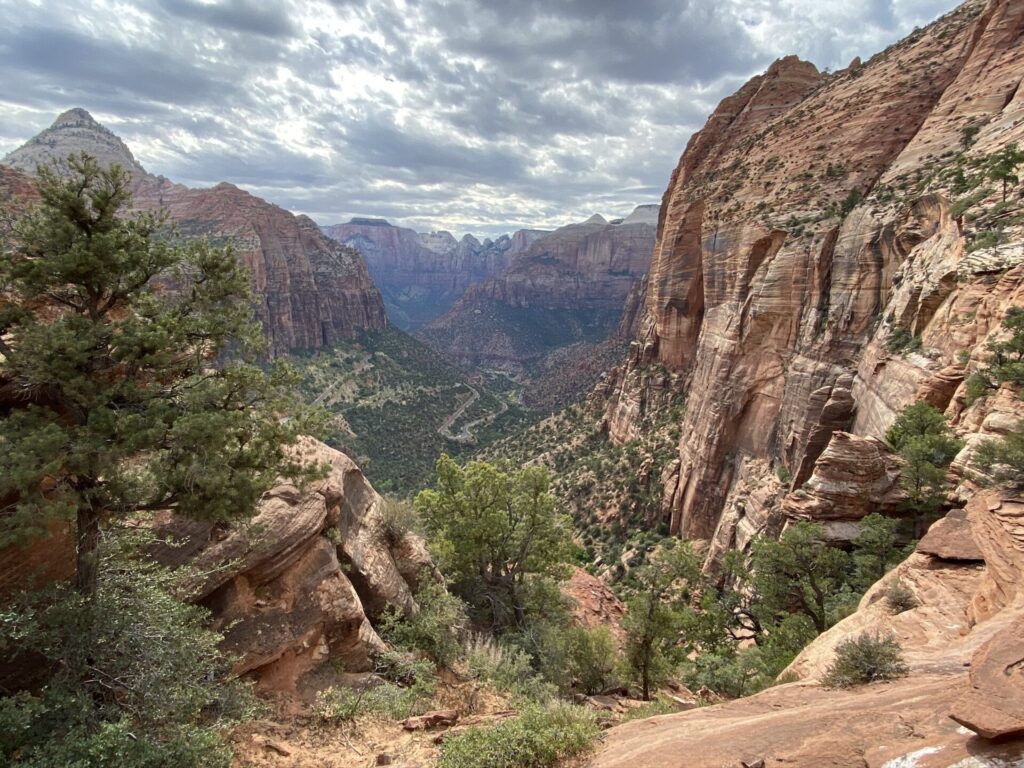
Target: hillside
422, 275
569, 286
310, 290
813, 220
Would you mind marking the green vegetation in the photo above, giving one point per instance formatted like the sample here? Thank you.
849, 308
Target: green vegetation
927, 446
899, 597
655, 614
435, 630
133, 678
536, 738
901, 341
866, 658
498, 537
126, 410
1002, 459
389, 396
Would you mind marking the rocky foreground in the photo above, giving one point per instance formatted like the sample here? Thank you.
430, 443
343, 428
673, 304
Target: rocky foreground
961, 705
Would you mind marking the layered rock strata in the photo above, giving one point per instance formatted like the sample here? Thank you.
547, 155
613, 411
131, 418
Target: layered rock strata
310, 291
960, 705
808, 224
570, 285
422, 275
296, 585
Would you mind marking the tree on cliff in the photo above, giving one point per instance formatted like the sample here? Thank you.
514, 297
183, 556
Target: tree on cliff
1002, 166
658, 612
927, 446
497, 534
120, 394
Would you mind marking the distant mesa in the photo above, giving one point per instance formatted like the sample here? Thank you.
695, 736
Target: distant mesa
369, 222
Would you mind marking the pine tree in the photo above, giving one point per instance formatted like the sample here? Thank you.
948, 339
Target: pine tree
129, 371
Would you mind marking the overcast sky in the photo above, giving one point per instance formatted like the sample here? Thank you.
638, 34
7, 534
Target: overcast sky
476, 116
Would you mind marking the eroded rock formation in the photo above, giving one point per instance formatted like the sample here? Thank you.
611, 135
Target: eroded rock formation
310, 290
806, 225
570, 285
964, 691
298, 583
422, 275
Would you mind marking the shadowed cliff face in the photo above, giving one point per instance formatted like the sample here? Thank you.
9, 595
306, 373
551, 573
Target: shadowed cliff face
568, 286
310, 290
422, 275
805, 222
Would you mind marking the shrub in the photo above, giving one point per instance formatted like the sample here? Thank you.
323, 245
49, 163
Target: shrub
436, 629
505, 667
539, 737
901, 340
899, 597
134, 677
1002, 459
866, 658
976, 387
336, 705
400, 518
592, 658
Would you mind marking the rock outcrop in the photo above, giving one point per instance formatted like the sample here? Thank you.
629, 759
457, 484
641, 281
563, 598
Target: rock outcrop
422, 275
568, 286
310, 291
962, 703
297, 584
808, 224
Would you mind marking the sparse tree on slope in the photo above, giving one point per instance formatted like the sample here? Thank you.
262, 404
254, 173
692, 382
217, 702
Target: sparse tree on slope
122, 395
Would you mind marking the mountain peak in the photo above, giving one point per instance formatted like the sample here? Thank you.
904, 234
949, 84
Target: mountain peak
75, 116
74, 130
597, 218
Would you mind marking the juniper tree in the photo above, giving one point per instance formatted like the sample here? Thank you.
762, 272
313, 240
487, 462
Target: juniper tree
128, 372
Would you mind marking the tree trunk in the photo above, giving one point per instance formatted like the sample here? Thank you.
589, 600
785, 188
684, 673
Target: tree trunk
87, 551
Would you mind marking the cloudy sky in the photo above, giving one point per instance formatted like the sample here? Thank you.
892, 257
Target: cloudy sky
469, 115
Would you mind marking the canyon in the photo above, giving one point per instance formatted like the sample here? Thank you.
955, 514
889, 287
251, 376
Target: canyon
422, 274
568, 286
806, 223
310, 291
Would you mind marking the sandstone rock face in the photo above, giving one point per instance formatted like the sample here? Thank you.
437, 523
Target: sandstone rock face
296, 585
569, 285
310, 290
422, 275
593, 604
964, 670
795, 241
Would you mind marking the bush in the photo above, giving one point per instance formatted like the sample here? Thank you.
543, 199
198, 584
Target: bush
436, 629
135, 678
1002, 459
505, 667
899, 597
400, 519
539, 737
592, 658
866, 658
394, 702
976, 387
901, 340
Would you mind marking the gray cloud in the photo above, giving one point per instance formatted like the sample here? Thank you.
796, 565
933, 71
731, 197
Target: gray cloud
468, 115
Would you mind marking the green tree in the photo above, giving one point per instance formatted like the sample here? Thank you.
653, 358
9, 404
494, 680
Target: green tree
131, 675
1002, 459
1002, 166
1006, 359
799, 573
926, 444
656, 615
125, 398
494, 532
875, 550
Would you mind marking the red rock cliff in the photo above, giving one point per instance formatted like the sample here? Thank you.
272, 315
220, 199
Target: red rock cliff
806, 222
311, 290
